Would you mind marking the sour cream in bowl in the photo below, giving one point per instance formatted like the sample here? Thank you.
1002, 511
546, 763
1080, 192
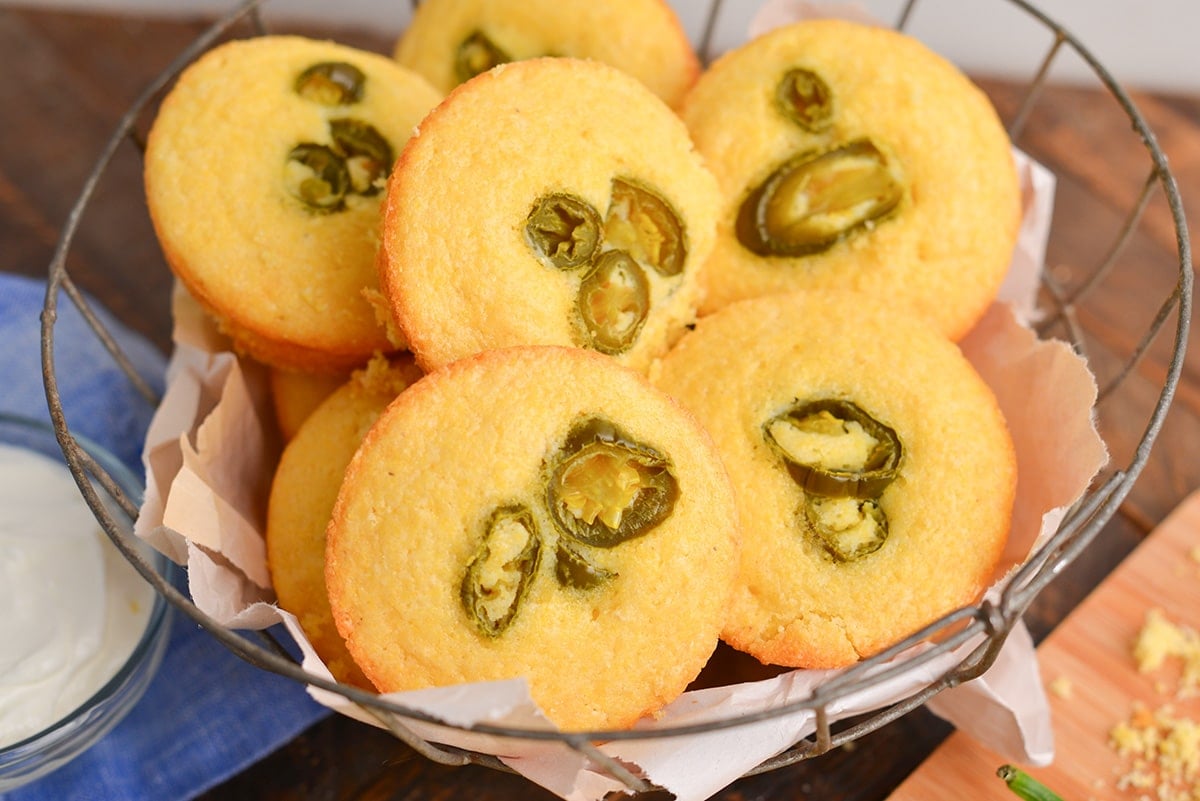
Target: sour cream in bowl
81, 632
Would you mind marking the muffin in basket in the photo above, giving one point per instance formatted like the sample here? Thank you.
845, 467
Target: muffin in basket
539, 513
451, 41
303, 492
264, 173
873, 470
296, 394
551, 201
853, 156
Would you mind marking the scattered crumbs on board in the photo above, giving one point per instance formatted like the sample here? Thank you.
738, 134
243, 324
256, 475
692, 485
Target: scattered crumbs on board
1062, 687
1160, 640
1161, 746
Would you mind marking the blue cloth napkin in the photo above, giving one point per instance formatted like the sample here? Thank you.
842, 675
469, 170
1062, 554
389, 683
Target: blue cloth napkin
207, 714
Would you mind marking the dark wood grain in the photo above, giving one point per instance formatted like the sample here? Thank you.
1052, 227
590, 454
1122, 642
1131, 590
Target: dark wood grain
79, 73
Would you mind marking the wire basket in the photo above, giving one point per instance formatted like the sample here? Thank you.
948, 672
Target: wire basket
1060, 303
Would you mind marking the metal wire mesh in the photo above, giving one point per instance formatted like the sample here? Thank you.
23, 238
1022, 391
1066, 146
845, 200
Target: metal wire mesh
992, 620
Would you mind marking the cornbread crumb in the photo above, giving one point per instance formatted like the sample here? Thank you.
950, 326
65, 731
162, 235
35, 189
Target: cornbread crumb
1162, 745
383, 377
1160, 639
1164, 749
1063, 688
383, 316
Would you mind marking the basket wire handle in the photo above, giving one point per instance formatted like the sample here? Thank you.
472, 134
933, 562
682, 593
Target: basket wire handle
59, 280
710, 27
1034, 92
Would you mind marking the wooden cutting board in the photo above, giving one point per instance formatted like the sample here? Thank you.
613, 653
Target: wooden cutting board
1091, 651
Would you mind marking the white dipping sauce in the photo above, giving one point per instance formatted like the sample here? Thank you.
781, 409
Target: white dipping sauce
71, 608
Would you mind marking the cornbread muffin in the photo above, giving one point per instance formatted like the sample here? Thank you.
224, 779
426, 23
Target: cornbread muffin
295, 394
450, 41
546, 202
873, 471
303, 491
852, 156
535, 512
264, 173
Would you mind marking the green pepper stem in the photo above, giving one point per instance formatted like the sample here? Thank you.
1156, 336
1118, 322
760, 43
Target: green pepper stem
1025, 785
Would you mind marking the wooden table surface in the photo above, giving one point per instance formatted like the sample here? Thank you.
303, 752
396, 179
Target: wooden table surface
70, 77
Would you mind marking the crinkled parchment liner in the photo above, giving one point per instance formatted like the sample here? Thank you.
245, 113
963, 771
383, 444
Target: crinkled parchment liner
210, 455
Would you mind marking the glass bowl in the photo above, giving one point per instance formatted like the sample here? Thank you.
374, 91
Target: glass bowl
41, 753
